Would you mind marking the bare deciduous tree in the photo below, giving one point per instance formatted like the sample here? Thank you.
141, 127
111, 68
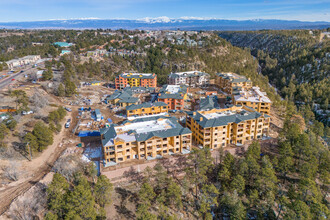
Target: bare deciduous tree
31, 205
39, 101
12, 171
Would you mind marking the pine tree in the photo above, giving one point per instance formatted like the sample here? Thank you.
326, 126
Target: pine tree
80, 201
56, 194
102, 191
61, 90
43, 134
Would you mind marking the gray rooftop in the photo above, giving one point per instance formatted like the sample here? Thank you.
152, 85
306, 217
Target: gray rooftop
223, 120
145, 105
176, 129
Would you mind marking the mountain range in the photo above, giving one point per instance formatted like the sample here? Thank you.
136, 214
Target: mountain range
165, 23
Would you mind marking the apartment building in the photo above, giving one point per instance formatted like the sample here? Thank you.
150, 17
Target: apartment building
144, 138
232, 83
190, 78
219, 127
136, 80
146, 108
31, 59
174, 96
122, 98
255, 99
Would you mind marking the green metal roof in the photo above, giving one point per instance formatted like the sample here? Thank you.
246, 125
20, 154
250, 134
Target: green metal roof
110, 133
209, 102
224, 120
145, 105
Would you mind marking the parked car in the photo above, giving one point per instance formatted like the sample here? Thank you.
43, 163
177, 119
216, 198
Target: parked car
68, 109
27, 112
68, 123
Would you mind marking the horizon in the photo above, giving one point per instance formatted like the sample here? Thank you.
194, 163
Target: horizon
145, 19
38, 10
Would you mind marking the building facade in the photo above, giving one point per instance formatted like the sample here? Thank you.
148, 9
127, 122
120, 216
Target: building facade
232, 83
174, 96
190, 78
31, 59
136, 80
122, 98
144, 138
255, 99
219, 127
146, 109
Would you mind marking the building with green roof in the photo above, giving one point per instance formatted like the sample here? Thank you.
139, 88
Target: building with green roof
122, 98
232, 83
144, 138
146, 108
220, 127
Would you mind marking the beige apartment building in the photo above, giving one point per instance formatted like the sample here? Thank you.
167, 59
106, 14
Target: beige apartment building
219, 127
144, 138
255, 99
232, 83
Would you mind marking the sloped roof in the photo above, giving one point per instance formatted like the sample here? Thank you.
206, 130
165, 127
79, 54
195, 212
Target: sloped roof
145, 105
110, 133
209, 102
138, 75
188, 74
226, 119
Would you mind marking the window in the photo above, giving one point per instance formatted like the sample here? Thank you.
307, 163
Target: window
127, 144
164, 139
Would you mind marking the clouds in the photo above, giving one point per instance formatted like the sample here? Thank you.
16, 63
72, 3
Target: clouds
29, 10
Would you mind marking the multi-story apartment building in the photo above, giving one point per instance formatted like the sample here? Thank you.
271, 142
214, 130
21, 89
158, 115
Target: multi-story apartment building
219, 127
232, 83
146, 108
136, 80
122, 98
30, 59
190, 78
174, 96
144, 138
255, 99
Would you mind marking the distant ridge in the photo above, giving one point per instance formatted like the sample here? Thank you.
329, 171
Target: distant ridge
165, 23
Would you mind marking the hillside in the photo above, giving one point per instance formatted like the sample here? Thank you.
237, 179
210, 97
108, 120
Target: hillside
296, 62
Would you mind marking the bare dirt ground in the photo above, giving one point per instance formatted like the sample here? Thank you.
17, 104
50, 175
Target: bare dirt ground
41, 165
37, 169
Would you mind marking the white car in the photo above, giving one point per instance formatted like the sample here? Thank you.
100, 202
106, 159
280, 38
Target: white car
27, 112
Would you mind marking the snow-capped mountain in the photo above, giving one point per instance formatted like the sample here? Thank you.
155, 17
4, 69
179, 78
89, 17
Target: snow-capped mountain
162, 23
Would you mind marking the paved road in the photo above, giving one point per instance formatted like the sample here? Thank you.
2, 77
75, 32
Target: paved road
8, 80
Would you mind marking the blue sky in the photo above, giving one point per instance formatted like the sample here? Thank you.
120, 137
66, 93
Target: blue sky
32, 10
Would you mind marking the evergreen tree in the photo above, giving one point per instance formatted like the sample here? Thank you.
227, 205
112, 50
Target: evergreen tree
102, 191
56, 195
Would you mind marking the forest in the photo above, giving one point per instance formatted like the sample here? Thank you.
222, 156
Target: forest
296, 62
289, 179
